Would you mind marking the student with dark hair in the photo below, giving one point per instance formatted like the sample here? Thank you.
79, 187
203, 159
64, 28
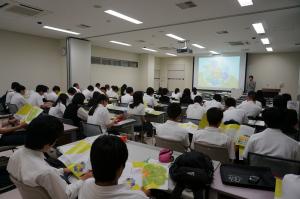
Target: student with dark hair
159, 91
272, 141
186, 97
195, 93
97, 87
93, 100
28, 166
280, 103
113, 92
52, 96
164, 99
286, 98
18, 98
212, 134
126, 99
77, 87
107, 87
71, 92
176, 94
232, 114
123, 89
88, 92
108, 159
196, 110
170, 129
251, 108
149, 98
290, 124
215, 102
103, 90
36, 98
11, 92
260, 98
74, 110
59, 107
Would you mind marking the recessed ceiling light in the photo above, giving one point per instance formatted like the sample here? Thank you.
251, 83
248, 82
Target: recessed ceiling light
198, 46
149, 49
265, 41
171, 54
121, 43
61, 30
117, 14
175, 37
259, 28
245, 2
214, 52
269, 49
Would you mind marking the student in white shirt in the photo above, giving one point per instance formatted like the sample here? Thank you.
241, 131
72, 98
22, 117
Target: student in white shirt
196, 110
71, 92
18, 98
126, 99
250, 106
233, 114
176, 94
212, 134
272, 141
170, 129
149, 98
28, 166
215, 102
75, 111
88, 92
11, 92
97, 87
59, 107
290, 187
36, 98
52, 97
194, 93
77, 87
113, 93
108, 159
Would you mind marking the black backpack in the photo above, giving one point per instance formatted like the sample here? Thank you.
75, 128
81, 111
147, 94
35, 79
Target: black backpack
3, 108
192, 170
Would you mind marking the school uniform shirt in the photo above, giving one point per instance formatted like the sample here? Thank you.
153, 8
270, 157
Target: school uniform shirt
258, 103
170, 130
290, 187
100, 117
29, 167
126, 99
272, 142
251, 108
177, 96
10, 93
137, 110
18, 100
112, 94
35, 99
195, 111
149, 100
235, 114
77, 90
52, 96
58, 110
212, 135
90, 190
75, 113
87, 94
70, 97
213, 103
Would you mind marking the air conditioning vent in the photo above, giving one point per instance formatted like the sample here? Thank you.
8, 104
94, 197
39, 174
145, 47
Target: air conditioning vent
222, 32
113, 62
237, 43
83, 26
167, 48
186, 5
25, 10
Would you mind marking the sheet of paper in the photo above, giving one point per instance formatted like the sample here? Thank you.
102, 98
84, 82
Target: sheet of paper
278, 188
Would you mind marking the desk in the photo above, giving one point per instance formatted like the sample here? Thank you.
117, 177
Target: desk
127, 126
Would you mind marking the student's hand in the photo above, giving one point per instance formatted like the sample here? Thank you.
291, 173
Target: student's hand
67, 171
13, 121
87, 175
23, 125
147, 192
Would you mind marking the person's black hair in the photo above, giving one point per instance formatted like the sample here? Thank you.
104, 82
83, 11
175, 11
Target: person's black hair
290, 118
72, 91
75, 84
186, 97
56, 88
174, 110
123, 89
150, 91
251, 76
93, 100
214, 116
62, 98
41, 88
230, 102
186, 93
78, 99
97, 85
252, 95
99, 99
137, 99
286, 97
90, 88
43, 130
107, 86
279, 102
260, 97
198, 99
129, 90
159, 91
194, 90
164, 92
14, 85
273, 117
108, 155
103, 88
20, 88
176, 90
259, 94
217, 97
115, 88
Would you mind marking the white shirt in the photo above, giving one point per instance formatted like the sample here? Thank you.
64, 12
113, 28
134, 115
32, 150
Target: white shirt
52, 96
290, 187
58, 110
100, 117
195, 111
90, 190
177, 96
9, 95
251, 108
213, 103
212, 135
70, 97
77, 90
137, 110
258, 103
96, 89
126, 99
149, 100
112, 94
29, 167
170, 130
35, 99
238, 115
272, 142
87, 94
18, 100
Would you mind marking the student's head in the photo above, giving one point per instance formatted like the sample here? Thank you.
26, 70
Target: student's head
286, 97
198, 99
42, 133
164, 92
103, 89
177, 90
97, 85
41, 89
72, 91
129, 90
174, 111
93, 100
107, 87
251, 96
14, 85
250, 77
217, 97
137, 99
56, 89
100, 99
108, 158
21, 89
123, 89
230, 102
194, 90
62, 98
214, 116
272, 117
290, 119
115, 88
76, 85
279, 102
186, 92
159, 91
90, 88
150, 91
78, 99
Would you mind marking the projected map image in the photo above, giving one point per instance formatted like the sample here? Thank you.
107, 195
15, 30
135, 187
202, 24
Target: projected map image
219, 72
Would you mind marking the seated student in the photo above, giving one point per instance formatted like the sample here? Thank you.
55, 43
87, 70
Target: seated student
123, 89
286, 98
233, 114
77, 87
11, 92
149, 98
74, 111
99, 114
103, 90
36, 98
54, 94
250, 106
108, 159
170, 129
164, 99
97, 87
18, 98
126, 99
88, 92
212, 134
260, 98
113, 92
272, 141
186, 97
28, 164
159, 91
8, 134
93, 100
279, 103
290, 124
194, 93
71, 92
215, 102
176, 94
196, 110
290, 187
107, 87
59, 107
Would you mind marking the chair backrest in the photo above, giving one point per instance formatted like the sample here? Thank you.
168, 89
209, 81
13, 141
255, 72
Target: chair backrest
219, 153
278, 166
66, 121
28, 192
91, 129
12, 108
170, 144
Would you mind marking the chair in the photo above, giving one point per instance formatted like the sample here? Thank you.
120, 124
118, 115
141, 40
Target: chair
66, 121
215, 152
138, 125
28, 192
169, 144
12, 108
91, 129
278, 166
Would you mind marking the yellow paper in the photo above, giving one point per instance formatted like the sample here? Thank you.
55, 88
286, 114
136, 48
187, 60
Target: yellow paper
34, 112
78, 169
81, 147
24, 110
278, 188
241, 152
203, 123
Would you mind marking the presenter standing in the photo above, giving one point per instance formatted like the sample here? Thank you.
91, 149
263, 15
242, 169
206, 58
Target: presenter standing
251, 84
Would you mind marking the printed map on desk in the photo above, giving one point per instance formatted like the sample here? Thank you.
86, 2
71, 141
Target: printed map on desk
242, 138
28, 112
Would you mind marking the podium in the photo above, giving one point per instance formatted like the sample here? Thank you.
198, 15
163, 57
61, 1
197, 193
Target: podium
270, 92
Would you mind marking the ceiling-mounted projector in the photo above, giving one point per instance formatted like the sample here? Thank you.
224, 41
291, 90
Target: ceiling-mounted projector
185, 48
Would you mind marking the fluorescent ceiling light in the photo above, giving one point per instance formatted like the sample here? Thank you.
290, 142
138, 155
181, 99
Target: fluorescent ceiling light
198, 46
269, 49
149, 49
175, 37
214, 52
171, 54
61, 30
117, 14
265, 41
245, 2
259, 28
121, 43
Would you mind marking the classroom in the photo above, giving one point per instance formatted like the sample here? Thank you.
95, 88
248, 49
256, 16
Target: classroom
161, 99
